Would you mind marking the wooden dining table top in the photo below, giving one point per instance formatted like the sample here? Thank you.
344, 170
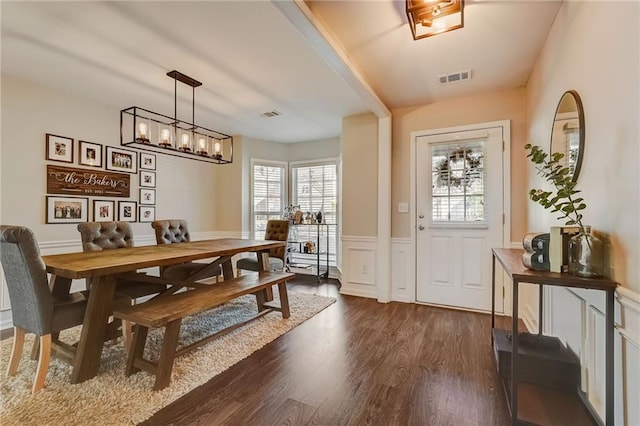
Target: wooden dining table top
107, 262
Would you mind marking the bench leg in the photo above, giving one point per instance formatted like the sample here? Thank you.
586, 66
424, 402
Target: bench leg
137, 348
167, 354
284, 299
261, 299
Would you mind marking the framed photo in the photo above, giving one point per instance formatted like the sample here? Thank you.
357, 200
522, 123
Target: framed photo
59, 148
104, 211
147, 213
147, 196
90, 154
147, 179
127, 211
122, 160
147, 161
67, 209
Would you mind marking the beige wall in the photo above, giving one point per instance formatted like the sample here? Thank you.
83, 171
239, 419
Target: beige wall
30, 111
360, 175
603, 67
504, 105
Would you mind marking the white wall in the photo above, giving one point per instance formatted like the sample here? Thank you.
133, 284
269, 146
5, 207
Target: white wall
602, 64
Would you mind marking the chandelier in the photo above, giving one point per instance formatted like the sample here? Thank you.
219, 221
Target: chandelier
431, 17
150, 131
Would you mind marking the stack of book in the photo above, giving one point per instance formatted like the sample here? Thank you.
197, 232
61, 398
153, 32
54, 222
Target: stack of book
536, 251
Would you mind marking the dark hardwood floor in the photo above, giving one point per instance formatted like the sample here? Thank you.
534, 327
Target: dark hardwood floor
358, 362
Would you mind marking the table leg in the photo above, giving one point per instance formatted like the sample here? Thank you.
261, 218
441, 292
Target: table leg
99, 308
227, 269
609, 360
263, 265
60, 286
540, 296
493, 295
514, 355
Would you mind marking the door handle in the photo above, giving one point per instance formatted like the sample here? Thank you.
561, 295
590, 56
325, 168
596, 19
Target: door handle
421, 228
421, 216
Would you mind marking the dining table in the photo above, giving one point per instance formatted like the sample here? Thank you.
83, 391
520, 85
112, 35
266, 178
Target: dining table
105, 268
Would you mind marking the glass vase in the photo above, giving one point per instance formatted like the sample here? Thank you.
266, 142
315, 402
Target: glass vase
586, 255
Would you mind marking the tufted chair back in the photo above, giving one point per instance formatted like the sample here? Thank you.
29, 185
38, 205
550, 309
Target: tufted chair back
277, 230
171, 231
98, 236
26, 276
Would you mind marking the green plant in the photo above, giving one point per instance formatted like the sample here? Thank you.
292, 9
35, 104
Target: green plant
563, 200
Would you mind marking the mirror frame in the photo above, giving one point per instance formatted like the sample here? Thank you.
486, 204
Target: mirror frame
581, 127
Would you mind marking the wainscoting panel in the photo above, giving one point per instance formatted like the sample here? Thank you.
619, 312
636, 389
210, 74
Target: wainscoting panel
359, 266
402, 270
577, 317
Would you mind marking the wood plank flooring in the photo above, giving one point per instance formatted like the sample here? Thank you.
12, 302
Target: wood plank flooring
358, 362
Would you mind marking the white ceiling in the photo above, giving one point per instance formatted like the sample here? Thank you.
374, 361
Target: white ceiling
251, 59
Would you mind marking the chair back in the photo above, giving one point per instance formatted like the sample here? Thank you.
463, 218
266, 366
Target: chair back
277, 230
171, 231
98, 236
26, 276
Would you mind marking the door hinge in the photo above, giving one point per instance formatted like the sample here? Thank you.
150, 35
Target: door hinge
503, 292
503, 218
502, 145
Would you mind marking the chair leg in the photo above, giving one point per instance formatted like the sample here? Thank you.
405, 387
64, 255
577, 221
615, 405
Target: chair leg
16, 352
35, 349
43, 362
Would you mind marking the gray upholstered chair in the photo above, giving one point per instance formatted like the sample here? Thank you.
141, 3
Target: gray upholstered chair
99, 236
33, 307
170, 231
276, 230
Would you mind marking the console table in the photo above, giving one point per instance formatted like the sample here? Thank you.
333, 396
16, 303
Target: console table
304, 232
511, 261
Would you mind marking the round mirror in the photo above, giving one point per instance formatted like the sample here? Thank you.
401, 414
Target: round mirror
567, 135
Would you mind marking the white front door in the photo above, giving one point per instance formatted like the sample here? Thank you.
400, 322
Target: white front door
459, 216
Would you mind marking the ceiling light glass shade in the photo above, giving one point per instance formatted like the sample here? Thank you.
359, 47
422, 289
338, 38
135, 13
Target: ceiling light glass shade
151, 131
434, 17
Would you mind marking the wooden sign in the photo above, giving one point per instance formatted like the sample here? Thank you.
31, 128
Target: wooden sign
72, 181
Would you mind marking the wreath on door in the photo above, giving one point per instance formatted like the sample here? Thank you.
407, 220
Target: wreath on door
471, 170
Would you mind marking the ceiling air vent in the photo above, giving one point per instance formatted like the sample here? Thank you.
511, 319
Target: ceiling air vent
455, 77
270, 114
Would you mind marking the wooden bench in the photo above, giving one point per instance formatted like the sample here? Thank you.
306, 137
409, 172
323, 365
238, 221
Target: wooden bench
168, 312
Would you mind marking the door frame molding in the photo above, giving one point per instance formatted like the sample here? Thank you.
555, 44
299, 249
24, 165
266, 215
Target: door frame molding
506, 184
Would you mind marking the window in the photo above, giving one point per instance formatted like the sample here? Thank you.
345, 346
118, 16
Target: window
314, 187
458, 182
268, 194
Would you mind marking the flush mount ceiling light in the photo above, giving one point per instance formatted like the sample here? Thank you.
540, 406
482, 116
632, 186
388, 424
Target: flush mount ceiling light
150, 131
431, 17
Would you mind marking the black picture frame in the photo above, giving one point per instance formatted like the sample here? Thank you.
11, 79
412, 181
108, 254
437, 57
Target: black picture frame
62, 209
121, 160
59, 148
147, 179
90, 154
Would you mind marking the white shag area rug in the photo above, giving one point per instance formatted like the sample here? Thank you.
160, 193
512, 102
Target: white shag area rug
112, 398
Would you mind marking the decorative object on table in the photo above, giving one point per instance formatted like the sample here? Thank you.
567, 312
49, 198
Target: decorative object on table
67, 209
585, 257
90, 154
122, 160
147, 179
308, 219
309, 247
559, 247
147, 161
297, 217
536, 254
76, 181
147, 214
104, 210
319, 217
147, 196
127, 211
59, 148
150, 131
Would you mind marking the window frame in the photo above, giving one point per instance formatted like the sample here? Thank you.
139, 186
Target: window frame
283, 190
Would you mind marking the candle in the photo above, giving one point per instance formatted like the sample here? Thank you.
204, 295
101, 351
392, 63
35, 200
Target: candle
185, 141
142, 127
164, 137
201, 141
216, 149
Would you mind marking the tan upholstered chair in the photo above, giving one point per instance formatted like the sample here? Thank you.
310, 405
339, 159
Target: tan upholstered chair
276, 230
170, 231
99, 236
33, 307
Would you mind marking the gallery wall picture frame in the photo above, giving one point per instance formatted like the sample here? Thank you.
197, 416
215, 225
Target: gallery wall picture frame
121, 160
147, 179
127, 211
67, 210
147, 161
59, 148
90, 154
104, 210
147, 214
147, 196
